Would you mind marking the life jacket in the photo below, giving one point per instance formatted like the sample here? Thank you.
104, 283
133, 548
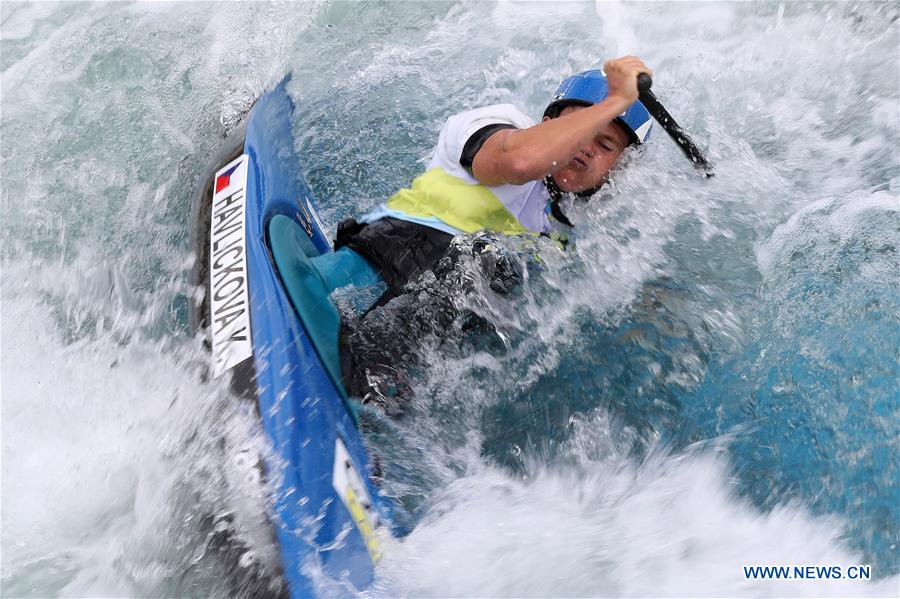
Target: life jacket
410, 232
449, 198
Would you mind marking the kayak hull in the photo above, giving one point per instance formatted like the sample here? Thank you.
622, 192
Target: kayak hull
327, 514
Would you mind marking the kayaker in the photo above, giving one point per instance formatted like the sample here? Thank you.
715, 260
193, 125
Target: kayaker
492, 170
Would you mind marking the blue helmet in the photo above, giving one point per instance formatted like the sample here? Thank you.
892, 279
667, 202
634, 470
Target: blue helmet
589, 88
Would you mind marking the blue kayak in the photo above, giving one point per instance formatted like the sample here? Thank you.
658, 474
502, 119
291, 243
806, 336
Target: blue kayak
267, 269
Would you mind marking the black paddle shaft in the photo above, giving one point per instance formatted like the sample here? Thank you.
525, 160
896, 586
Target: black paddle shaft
679, 135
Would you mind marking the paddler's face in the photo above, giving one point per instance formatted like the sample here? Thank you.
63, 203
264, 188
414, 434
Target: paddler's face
590, 167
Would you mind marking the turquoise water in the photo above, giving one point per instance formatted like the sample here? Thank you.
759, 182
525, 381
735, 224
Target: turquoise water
710, 381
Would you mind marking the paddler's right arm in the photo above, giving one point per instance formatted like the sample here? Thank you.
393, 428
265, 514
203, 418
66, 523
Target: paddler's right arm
516, 156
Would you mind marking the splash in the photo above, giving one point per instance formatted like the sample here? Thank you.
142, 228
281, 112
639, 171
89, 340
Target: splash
759, 305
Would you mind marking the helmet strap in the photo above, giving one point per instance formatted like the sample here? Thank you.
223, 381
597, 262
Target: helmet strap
555, 197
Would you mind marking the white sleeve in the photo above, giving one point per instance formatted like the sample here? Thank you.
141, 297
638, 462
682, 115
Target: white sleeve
459, 128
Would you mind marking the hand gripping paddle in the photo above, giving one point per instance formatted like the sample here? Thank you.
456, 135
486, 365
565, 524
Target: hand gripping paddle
679, 135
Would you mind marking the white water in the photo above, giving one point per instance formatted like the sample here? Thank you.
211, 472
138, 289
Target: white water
669, 527
114, 452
